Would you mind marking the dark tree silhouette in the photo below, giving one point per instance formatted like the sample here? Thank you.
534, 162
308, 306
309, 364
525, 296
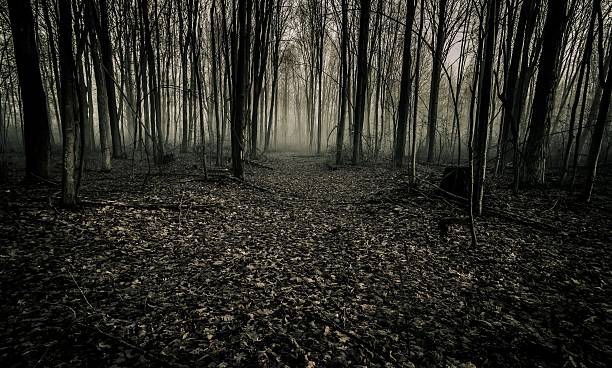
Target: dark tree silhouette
67, 73
403, 107
362, 79
33, 98
344, 81
239, 83
436, 70
548, 72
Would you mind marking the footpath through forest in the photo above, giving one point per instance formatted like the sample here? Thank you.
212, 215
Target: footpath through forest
308, 265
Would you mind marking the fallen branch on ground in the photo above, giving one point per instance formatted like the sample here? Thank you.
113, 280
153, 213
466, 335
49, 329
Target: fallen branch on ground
146, 206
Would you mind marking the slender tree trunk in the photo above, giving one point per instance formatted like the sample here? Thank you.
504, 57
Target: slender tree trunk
67, 71
600, 125
432, 117
510, 85
578, 93
184, 84
416, 94
54, 67
107, 61
320, 53
484, 104
403, 108
260, 56
275, 70
344, 83
103, 114
213, 48
594, 106
362, 79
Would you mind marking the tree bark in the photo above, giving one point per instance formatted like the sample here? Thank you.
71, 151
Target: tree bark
260, 56
362, 78
417, 69
103, 114
403, 107
602, 120
35, 114
278, 33
436, 70
67, 71
509, 120
240, 89
107, 61
548, 72
184, 84
344, 82
484, 104
215, 83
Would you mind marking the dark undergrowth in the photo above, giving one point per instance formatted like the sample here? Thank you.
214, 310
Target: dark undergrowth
306, 264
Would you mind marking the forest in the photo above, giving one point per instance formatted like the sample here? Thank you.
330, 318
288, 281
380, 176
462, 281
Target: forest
305, 183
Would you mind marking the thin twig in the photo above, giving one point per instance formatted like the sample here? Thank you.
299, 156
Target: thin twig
81, 290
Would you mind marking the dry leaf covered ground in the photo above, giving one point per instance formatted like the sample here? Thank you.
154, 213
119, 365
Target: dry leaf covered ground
308, 265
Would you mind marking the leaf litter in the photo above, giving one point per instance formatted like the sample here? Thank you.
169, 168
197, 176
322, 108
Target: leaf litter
303, 267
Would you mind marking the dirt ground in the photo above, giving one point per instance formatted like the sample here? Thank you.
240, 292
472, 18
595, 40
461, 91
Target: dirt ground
305, 265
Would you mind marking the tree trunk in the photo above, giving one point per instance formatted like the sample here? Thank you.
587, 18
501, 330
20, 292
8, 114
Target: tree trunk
107, 61
416, 95
275, 68
67, 71
240, 89
90, 143
578, 93
403, 108
54, 66
35, 114
548, 72
484, 104
600, 126
509, 120
362, 78
436, 70
344, 83
103, 114
260, 56
213, 48
320, 60
184, 45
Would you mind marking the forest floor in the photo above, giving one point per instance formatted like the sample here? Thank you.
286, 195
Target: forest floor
307, 264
